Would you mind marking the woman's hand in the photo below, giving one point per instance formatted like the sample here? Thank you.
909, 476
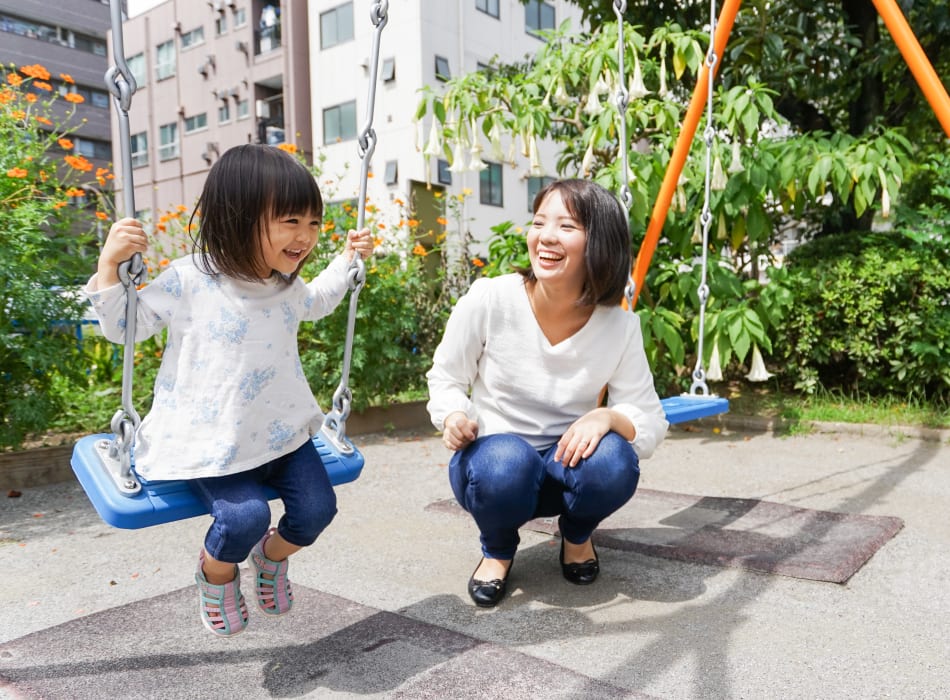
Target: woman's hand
581, 439
126, 237
460, 431
359, 242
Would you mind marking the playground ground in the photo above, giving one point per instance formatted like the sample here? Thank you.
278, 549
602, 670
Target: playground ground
89, 611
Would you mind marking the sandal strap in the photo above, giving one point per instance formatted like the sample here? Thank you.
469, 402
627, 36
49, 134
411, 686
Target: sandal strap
275, 595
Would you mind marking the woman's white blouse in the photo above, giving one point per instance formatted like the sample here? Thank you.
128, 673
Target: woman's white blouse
496, 365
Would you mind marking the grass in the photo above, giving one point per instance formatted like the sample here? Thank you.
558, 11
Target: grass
835, 407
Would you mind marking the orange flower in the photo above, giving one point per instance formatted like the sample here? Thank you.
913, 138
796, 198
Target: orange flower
14, 79
35, 71
17, 173
74, 97
44, 120
381, 226
6, 96
369, 174
78, 163
66, 78
18, 114
441, 221
288, 147
101, 215
328, 226
164, 262
419, 249
65, 144
181, 208
60, 205
413, 222
30, 97
42, 85
75, 192
478, 262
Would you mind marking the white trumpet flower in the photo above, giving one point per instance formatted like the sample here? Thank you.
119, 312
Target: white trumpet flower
736, 165
719, 179
637, 88
434, 144
494, 139
534, 169
458, 158
476, 163
561, 98
885, 195
592, 106
758, 373
588, 161
714, 372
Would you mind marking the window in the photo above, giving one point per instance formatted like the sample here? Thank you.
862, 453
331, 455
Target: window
139, 149
444, 175
388, 73
165, 60
535, 184
442, 70
489, 185
168, 141
89, 148
240, 17
339, 123
538, 15
136, 66
224, 112
198, 121
392, 172
193, 38
336, 26
244, 109
489, 7
221, 25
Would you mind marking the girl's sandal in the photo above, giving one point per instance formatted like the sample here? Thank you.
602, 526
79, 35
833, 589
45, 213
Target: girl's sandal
221, 607
274, 594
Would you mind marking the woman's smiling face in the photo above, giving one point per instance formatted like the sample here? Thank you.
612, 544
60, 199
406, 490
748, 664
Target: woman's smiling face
557, 243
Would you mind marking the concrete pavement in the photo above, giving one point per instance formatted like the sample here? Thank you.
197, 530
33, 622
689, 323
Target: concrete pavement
89, 610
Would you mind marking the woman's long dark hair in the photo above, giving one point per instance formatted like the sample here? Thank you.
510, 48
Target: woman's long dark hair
607, 255
247, 185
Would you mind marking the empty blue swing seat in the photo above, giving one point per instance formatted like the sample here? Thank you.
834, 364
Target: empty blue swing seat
161, 502
685, 407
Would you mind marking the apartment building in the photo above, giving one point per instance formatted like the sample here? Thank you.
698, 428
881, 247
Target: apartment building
423, 43
218, 73
69, 38
211, 75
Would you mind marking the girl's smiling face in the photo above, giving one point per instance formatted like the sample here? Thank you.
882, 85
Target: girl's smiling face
557, 243
286, 241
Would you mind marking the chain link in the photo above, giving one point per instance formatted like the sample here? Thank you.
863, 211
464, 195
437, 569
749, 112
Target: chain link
334, 426
699, 385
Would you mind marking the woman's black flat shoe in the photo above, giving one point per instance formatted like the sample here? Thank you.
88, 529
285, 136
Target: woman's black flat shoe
583, 573
487, 594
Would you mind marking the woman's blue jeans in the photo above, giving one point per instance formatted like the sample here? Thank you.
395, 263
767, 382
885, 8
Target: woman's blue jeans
241, 511
504, 482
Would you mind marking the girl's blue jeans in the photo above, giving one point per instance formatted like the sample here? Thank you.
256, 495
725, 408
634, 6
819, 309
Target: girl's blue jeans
241, 511
504, 482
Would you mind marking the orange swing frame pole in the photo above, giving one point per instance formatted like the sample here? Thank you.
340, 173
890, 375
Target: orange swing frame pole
674, 168
916, 60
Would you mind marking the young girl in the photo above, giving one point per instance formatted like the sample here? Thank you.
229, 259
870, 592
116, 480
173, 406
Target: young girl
232, 410
515, 384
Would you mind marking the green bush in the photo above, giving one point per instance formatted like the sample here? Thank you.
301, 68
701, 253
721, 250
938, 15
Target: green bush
870, 313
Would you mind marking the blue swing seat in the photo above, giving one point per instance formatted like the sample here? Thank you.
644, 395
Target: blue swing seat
159, 502
686, 407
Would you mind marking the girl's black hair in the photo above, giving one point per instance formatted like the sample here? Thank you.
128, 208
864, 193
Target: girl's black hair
247, 185
607, 255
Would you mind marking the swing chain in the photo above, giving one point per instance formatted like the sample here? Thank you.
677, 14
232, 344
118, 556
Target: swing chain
334, 425
699, 385
121, 83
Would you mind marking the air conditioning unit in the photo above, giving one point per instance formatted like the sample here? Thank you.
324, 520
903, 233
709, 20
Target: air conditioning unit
203, 69
176, 27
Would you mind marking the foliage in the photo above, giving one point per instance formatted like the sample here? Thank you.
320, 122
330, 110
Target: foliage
870, 314
43, 252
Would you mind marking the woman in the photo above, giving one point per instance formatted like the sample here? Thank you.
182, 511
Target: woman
516, 383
